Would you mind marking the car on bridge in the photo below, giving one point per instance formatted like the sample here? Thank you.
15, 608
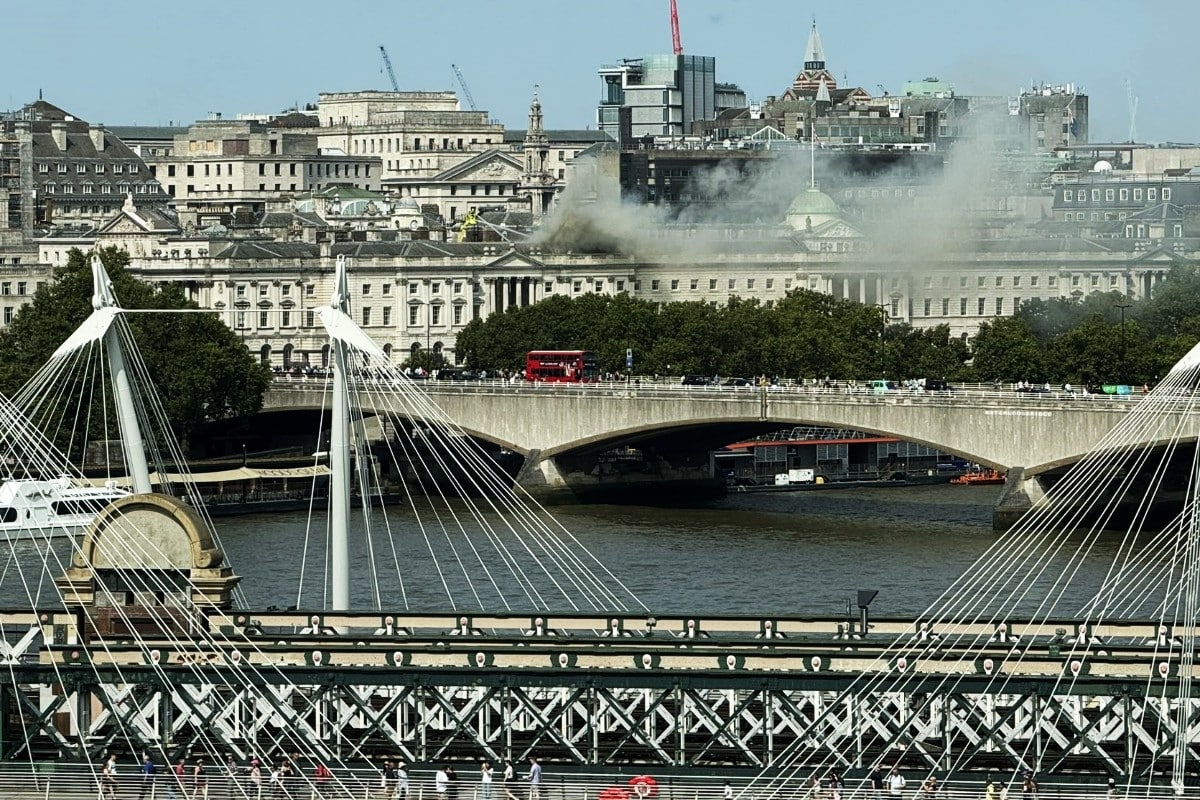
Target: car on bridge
697, 380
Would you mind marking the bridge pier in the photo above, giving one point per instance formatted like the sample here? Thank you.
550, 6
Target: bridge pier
1019, 496
653, 480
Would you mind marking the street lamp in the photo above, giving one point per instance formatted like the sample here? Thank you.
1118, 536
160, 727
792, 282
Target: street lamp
1122, 304
883, 319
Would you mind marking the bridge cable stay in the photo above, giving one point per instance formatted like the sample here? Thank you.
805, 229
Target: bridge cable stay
1038, 568
31, 561
251, 680
469, 520
80, 371
137, 547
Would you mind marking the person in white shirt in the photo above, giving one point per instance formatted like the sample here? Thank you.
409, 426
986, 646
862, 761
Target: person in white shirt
896, 783
485, 781
441, 783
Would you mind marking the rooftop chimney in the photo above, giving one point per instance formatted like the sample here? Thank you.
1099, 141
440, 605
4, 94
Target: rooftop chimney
97, 134
59, 131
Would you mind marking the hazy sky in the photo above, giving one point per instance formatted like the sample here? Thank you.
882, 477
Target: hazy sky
122, 63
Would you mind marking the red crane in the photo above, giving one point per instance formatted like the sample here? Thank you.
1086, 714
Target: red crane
675, 42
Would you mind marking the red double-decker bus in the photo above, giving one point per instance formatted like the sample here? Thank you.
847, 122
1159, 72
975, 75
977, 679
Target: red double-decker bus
561, 366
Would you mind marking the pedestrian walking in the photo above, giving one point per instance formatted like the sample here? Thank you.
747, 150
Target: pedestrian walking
199, 780
148, 770
877, 781
255, 779
401, 780
321, 776
509, 780
896, 783
836, 785
108, 777
178, 775
535, 779
229, 776
441, 783
485, 781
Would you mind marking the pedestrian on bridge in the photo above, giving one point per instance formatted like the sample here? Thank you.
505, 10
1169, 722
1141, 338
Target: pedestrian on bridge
108, 777
177, 778
896, 783
485, 781
200, 781
148, 770
508, 781
877, 782
401, 780
535, 779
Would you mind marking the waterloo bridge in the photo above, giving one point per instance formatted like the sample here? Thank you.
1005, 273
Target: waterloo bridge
563, 431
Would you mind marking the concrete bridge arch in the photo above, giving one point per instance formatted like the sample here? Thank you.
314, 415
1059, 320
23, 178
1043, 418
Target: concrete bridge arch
551, 425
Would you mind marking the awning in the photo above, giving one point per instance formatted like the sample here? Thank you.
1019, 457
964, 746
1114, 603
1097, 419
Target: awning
225, 475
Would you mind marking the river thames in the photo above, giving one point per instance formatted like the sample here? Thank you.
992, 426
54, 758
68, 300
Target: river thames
786, 553
772, 553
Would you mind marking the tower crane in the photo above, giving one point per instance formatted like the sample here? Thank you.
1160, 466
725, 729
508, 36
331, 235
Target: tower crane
463, 83
387, 64
675, 40
1133, 104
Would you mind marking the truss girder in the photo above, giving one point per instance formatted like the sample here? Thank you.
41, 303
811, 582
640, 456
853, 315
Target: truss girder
580, 719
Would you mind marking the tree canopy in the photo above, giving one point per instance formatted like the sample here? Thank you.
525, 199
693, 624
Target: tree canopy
200, 368
1096, 339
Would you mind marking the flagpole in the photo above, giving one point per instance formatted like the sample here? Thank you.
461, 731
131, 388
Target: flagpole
812, 150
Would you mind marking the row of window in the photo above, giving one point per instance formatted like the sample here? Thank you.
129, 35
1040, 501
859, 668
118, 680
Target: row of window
385, 289
88, 188
81, 168
981, 306
981, 281
385, 144
289, 318
1109, 195
328, 170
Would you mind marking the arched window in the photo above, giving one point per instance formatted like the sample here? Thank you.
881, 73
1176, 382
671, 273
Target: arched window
287, 355
325, 356
266, 355
387, 351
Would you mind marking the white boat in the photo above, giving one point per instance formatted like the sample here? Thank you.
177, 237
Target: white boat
36, 509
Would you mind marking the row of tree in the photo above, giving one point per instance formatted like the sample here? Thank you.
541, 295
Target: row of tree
1098, 339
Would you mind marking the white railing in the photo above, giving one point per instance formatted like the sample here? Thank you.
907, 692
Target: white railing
55, 781
964, 393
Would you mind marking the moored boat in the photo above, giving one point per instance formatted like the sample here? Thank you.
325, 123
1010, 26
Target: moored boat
989, 477
36, 509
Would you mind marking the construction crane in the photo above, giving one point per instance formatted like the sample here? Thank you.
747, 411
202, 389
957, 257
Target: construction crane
463, 83
675, 40
387, 64
1133, 104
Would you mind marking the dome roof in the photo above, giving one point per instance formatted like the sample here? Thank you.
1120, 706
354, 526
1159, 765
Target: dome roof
406, 204
814, 201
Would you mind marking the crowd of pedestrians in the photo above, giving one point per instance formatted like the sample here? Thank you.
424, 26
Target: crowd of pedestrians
292, 777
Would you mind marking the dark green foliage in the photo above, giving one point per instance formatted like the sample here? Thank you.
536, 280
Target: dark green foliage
804, 334
809, 334
200, 368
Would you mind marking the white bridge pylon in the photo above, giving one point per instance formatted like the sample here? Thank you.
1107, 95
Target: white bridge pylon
102, 326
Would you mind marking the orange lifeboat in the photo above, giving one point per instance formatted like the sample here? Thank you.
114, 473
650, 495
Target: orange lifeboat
989, 477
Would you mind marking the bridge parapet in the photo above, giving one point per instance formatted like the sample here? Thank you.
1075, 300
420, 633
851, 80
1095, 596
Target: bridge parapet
997, 428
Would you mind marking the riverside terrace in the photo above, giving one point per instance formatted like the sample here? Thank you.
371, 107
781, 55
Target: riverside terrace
561, 429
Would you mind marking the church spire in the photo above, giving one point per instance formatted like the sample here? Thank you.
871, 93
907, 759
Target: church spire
814, 54
823, 92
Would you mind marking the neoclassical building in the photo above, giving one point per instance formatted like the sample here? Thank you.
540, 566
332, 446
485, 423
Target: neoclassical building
418, 295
